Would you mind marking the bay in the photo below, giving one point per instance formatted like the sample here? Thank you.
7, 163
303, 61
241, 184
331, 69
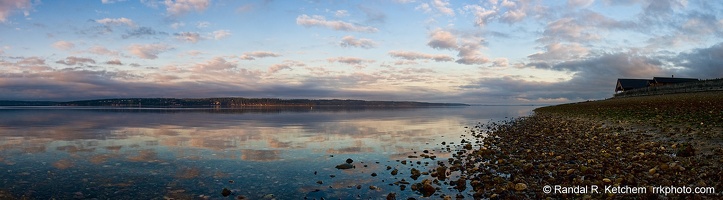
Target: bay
147, 153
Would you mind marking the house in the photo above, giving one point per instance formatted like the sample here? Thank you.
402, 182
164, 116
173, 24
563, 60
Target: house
629, 84
659, 81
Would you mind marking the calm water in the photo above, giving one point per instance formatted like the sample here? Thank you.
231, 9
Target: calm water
195, 153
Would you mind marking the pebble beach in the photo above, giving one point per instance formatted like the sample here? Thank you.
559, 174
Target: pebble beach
654, 147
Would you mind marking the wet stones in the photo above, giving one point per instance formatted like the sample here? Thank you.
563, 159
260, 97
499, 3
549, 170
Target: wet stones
415, 173
225, 192
345, 166
520, 186
441, 172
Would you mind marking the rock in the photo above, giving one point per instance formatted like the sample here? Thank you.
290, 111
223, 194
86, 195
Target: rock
268, 196
520, 186
415, 173
441, 172
374, 174
349, 160
392, 196
607, 181
427, 188
320, 182
345, 166
394, 172
685, 150
225, 192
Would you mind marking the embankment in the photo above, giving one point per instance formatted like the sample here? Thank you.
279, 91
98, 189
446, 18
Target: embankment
699, 86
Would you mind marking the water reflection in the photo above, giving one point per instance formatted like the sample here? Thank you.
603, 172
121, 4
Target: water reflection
176, 153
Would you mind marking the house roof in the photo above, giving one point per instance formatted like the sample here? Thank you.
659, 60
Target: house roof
672, 80
628, 84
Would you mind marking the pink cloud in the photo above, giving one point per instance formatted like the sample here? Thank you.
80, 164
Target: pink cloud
64, 45
116, 21
8, 7
182, 7
350, 41
316, 20
258, 54
148, 51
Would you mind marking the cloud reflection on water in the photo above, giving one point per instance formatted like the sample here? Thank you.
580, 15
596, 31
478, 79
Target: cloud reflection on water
197, 144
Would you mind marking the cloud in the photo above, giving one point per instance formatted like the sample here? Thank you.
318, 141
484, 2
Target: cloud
72, 60
408, 55
559, 51
258, 54
441, 39
31, 61
215, 64
114, 62
116, 22
287, 64
579, 3
220, 34
482, 15
316, 20
148, 51
702, 62
64, 45
443, 7
141, 32
501, 62
593, 77
349, 60
424, 7
469, 52
468, 46
102, 51
177, 8
111, 1
341, 13
373, 15
512, 16
177, 25
350, 41
203, 24
8, 7
191, 37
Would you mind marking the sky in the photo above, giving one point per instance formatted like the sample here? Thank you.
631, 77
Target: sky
479, 52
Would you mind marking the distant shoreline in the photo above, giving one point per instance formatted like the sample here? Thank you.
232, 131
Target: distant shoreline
224, 102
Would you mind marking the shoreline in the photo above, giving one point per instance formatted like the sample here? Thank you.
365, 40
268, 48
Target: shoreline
614, 146
609, 149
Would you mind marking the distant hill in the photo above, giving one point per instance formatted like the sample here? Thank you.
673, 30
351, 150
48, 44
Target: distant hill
226, 102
